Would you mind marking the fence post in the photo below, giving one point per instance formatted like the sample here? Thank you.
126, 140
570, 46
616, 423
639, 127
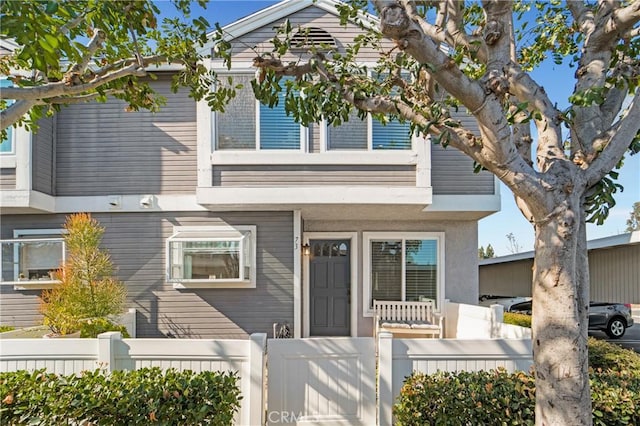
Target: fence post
497, 318
106, 352
256, 378
385, 379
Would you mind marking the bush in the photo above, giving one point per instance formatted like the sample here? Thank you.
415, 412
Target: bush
522, 320
4, 328
139, 397
496, 397
92, 327
609, 357
87, 289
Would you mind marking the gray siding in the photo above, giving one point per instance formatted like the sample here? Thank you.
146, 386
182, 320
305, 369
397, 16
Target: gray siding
452, 174
614, 275
102, 149
248, 46
7, 179
313, 175
136, 242
44, 156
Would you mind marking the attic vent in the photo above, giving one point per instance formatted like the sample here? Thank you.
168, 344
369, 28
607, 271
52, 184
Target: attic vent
316, 37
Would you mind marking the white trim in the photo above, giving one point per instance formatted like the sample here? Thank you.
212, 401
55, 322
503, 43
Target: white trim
353, 237
249, 197
423, 168
242, 282
366, 264
283, 157
204, 134
22, 139
279, 10
297, 274
7, 161
464, 203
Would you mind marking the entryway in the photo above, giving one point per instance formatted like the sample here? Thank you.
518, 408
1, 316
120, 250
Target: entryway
330, 287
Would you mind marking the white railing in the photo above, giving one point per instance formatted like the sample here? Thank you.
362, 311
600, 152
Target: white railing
111, 352
475, 340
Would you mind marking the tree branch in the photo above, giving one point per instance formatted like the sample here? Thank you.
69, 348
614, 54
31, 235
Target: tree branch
13, 114
614, 143
94, 44
457, 35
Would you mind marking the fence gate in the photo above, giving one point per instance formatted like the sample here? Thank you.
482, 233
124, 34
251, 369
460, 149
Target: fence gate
321, 381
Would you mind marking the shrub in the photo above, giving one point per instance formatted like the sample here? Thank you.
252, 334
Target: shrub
522, 320
605, 356
496, 397
92, 327
87, 289
4, 328
139, 397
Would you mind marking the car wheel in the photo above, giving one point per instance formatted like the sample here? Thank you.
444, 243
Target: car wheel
615, 328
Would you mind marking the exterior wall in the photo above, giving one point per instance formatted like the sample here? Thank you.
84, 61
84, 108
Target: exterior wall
268, 175
452, 173
8, 179
507, 279
136, 242
43, 156
614, 275
248, 46
460, 243
102, 149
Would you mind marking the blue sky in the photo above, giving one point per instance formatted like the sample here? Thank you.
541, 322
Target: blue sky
494, 229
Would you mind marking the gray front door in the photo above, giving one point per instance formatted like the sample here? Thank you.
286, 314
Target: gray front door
329, 287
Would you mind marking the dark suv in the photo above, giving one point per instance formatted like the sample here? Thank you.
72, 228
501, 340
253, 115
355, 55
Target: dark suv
612, 318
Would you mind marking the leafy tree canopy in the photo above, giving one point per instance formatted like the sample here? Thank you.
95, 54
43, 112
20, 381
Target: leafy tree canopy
69, 51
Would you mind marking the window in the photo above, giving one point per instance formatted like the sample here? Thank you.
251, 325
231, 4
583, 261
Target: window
7, 144
218, 256
32, 257
405, 267
357, 135
248, 125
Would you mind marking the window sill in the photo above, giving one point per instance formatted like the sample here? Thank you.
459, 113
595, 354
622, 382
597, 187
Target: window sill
31, 284
7, 161
196, 284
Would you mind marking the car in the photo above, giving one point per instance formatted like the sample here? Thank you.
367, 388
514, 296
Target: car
506, 301
612, 318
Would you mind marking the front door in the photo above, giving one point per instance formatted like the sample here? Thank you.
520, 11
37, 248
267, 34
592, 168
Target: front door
329, 287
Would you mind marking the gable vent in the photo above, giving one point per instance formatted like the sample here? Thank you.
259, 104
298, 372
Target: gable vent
316, 37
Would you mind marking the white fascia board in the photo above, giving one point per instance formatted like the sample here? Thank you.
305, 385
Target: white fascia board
275, 12
237, 158
27, 199
451, 203
8, 161
14, 198
126, 203
311, 195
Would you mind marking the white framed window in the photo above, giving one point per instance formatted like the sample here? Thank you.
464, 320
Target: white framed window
32, 257
7, 145
403, 266
246, 124
212, 257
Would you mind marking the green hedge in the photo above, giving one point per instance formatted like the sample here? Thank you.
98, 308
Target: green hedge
139, 397
522, 320
496, 397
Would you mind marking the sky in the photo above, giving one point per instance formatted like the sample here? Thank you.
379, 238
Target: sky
495, 228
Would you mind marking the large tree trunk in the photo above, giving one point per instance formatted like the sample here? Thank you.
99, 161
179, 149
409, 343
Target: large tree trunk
560, 319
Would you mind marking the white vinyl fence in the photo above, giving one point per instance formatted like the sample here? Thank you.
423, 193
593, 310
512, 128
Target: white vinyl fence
310, 381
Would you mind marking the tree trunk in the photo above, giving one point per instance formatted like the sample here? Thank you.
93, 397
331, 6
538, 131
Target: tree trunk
560, 320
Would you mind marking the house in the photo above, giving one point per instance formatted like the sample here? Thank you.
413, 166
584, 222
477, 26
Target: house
614, 271
224, 224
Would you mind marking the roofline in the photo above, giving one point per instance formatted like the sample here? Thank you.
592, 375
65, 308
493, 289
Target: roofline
600, 243
274, 12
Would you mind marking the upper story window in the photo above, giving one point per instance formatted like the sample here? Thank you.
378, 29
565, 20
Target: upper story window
7, 144
248, 125
403, 267
214, 256
32, 257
